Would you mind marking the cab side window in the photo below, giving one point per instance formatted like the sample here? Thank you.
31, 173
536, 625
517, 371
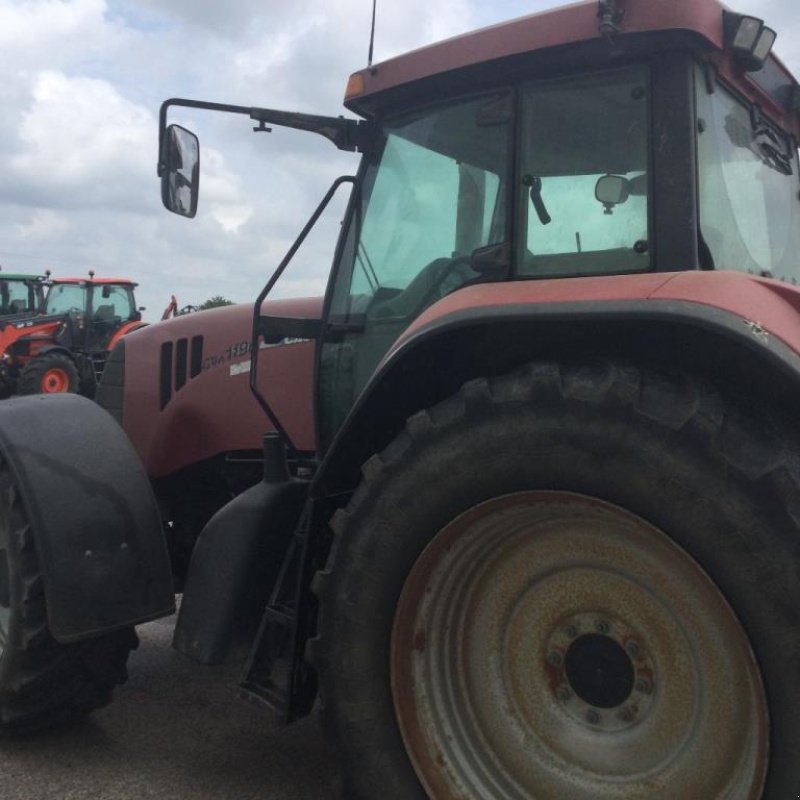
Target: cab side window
583, 182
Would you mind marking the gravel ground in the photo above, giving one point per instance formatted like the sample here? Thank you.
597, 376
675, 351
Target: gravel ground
175, 730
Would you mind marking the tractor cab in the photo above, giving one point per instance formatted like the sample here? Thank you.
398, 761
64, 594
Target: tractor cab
594, 140
21, 294
97, 309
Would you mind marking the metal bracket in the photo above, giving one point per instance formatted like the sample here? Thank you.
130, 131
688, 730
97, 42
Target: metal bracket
610, 16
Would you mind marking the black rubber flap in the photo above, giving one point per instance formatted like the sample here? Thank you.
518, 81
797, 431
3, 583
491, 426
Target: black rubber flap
95, 521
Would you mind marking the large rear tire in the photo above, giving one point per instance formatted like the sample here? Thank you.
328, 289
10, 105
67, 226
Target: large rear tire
573, 581
50, 373
44, 683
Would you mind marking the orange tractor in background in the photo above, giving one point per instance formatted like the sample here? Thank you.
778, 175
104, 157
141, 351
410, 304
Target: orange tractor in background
64, 348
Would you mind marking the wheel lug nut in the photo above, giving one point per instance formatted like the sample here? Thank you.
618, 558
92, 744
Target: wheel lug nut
602, 626
592, 717
554, 658
563, 694
571, 631
626, 714
632, 649
643, 685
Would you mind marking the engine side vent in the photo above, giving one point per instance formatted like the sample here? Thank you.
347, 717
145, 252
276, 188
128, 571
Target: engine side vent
165, 374
181, 358
180, 361
196, 366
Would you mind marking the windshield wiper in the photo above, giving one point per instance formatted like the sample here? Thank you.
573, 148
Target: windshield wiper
770, 148
535, 182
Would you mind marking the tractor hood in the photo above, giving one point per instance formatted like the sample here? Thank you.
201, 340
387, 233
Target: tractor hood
180, 388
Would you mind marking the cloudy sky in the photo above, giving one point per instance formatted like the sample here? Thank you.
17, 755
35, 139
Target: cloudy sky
80, 86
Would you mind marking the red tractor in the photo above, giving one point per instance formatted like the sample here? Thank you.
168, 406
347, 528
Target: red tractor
528, 525
64, 348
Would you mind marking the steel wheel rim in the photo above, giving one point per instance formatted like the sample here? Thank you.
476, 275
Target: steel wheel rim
55, 380
488, 704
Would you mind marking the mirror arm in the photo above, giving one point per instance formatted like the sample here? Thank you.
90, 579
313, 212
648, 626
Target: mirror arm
346, 134
180, 101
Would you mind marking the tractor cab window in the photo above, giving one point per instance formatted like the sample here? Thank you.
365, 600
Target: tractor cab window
112, 303
17, 296
749, 184
583, 177
66, 298
430, 198
434, 193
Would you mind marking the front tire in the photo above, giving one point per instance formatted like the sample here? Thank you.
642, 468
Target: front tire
44, 683
488, 577
50, 373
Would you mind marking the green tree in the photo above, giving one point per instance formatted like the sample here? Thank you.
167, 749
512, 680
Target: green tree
215, 302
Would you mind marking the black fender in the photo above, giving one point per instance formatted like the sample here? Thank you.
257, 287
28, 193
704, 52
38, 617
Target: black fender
438, 358
94, 519
236, 561
56, 348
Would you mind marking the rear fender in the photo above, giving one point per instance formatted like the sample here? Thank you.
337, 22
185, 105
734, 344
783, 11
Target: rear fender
436, 359
55, 348
94, 519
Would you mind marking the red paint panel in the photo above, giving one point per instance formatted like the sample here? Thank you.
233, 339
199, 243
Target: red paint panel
538, 292
128, 327
775, 306
121, 281
569, 24
31, 330
215, 411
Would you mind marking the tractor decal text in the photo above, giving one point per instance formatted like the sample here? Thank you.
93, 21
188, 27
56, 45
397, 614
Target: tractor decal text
242, 349
230, 353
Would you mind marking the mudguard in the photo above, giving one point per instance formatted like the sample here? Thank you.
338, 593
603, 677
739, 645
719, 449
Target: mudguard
234, 566
94, 519
707, 322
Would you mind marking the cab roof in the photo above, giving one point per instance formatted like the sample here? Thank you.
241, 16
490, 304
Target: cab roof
98, 281
21, 276
369, 89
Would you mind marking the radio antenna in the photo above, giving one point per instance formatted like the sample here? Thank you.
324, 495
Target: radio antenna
372, 34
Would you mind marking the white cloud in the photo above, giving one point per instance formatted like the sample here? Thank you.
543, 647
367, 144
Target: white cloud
43, 225
81, 82
34, 29
82, 143
230, 217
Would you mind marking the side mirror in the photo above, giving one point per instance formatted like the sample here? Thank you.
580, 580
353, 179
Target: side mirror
180, 173
611, 190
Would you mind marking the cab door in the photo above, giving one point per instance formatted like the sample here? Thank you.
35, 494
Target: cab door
433, 196
111, 307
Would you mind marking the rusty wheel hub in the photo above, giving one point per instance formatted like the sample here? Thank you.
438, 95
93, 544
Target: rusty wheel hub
55, 380
549, 645
599, 671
